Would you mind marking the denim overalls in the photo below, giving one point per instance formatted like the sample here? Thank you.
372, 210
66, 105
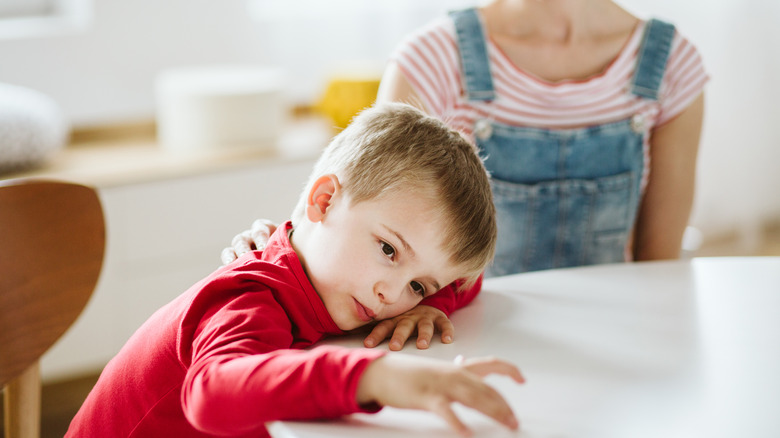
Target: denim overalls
564, 197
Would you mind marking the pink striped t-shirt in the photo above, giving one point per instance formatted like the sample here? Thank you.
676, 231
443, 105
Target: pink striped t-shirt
430, 62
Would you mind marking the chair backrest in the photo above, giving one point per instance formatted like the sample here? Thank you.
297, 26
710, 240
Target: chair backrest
52, 240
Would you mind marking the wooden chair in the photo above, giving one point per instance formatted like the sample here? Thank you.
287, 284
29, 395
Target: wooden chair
52, 238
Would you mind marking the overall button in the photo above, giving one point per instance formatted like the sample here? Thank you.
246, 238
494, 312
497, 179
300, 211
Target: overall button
638, 123
483, 129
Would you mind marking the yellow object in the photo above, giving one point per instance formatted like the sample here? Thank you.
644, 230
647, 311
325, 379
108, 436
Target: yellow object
345, 97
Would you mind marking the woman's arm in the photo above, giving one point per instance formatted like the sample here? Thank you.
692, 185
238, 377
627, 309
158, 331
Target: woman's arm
394, 87
668, 198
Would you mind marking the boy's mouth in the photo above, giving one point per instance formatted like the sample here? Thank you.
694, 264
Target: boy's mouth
364, 313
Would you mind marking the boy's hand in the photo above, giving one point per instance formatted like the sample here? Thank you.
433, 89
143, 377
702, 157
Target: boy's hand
426, 320
432, 385
249, 240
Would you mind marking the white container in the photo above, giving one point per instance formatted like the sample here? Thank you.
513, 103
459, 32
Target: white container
212, 107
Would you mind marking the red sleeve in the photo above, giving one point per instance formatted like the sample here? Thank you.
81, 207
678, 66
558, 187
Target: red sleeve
449, 299
241, 376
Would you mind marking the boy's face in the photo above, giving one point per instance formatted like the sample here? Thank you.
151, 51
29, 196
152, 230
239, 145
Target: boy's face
376, 259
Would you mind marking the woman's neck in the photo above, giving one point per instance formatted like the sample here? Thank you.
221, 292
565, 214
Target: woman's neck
556, 21
557, 40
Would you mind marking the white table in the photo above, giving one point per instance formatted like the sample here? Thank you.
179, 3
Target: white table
661, 349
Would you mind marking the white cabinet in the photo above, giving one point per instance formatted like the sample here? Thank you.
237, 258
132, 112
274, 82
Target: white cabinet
162, 237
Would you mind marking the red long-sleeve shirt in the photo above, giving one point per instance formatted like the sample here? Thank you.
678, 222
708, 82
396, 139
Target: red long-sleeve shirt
448, 299
226, 356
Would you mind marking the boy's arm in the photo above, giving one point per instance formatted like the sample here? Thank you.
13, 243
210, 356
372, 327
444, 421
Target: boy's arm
330, 381
241, 371
238, 395
426, 318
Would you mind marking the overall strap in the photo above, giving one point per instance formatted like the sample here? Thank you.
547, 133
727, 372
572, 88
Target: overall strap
474, 61
653, 54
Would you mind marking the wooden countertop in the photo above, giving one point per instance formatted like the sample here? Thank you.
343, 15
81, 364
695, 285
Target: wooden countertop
134, 156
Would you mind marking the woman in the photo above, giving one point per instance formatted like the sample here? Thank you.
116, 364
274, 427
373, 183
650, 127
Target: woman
589, 120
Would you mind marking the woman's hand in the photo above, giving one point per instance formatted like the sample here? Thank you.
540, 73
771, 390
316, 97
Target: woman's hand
426, 320
249, 240
411, 382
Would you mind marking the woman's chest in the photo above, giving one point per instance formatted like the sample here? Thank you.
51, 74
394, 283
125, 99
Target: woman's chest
555, 62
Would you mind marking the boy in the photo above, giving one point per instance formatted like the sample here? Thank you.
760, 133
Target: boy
397, 206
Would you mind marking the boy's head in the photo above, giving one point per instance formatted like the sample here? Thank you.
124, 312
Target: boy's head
398, 204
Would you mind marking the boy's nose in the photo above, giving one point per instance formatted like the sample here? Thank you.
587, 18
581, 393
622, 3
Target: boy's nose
388, 292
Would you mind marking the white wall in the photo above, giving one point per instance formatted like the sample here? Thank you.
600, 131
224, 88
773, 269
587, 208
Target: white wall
738, 178
106, 73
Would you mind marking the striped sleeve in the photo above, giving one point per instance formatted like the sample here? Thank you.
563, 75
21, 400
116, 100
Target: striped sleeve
684, 79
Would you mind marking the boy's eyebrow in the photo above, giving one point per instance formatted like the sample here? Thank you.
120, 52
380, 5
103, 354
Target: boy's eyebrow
401, 238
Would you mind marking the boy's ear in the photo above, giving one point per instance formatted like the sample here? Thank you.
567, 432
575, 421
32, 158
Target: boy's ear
320, 196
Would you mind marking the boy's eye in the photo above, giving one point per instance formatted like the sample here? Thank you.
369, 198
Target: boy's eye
418, 288
387, 249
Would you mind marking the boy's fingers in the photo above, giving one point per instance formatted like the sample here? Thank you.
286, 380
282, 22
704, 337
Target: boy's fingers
447, 330
482, 397
379, 333
424, 333
484, 366
444, 410
403, 330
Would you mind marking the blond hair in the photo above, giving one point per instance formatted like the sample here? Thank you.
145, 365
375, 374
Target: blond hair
392, 147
